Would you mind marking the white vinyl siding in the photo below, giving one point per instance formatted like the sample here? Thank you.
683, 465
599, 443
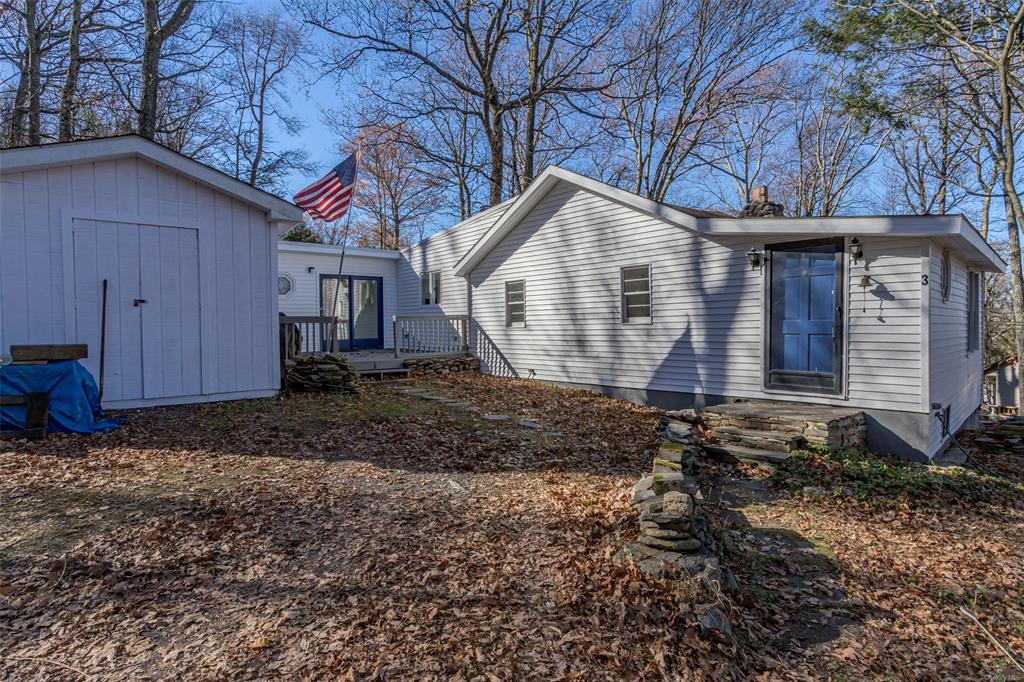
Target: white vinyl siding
188, 231
305, 297
955, 374
439, 253
707, 337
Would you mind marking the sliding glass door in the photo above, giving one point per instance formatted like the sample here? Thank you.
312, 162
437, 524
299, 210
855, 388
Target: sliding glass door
356, 302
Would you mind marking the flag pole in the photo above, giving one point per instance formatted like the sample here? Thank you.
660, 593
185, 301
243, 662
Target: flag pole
344, 243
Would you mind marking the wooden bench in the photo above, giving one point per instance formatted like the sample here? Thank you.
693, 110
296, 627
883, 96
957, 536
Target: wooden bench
37, 413
23, 354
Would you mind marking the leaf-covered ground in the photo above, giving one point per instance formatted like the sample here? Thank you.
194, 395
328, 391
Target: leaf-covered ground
386, 536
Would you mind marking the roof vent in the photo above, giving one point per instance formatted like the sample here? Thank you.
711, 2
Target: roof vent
760, 207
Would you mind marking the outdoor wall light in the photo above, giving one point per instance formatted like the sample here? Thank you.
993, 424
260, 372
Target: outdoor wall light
755, 257
310, 269
856, 250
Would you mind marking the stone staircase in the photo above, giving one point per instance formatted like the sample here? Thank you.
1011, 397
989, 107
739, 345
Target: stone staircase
768, 430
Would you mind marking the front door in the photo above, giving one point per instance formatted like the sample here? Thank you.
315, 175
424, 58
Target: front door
805, 316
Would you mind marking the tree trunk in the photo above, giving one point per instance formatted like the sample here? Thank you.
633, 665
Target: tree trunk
496, 143
155, 36
34, 46
66, 124
20, 110
150, 69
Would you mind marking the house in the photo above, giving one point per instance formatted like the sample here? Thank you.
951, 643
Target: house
579, 283
364, 297
188, 255
1002, 383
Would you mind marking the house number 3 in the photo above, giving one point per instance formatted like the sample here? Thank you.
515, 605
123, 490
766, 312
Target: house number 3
924, 280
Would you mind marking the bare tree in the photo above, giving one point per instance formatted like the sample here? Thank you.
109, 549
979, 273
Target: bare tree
446, 58
396, 196
748, 148
32, 29
930, 152
262, 48
156, 32
833, 148
687, 65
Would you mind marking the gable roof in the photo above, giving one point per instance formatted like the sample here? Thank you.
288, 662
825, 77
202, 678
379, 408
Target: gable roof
954, 231
17, 159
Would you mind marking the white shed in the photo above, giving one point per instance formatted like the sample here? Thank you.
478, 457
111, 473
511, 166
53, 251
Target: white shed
188, 253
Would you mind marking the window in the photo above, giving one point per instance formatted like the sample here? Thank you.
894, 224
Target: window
973, 311
284, 285
430, 288
946, 275
515, 303
636, 294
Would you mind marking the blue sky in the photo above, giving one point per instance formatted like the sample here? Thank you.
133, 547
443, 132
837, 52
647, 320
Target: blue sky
315, 92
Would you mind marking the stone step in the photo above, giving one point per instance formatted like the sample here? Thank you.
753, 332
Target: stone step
756, 423
744, 454
779, 441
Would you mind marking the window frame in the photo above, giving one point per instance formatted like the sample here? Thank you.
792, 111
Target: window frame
432, 280
291, 284
509, 322
974, 320
946, 275
624, 315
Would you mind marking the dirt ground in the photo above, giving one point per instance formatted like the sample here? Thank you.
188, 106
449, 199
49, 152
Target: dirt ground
469, 535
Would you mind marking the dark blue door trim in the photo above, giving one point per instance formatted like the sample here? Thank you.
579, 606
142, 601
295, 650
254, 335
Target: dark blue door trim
805, 316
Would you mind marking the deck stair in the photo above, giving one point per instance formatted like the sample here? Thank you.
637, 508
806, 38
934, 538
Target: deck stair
380, 367
767, 430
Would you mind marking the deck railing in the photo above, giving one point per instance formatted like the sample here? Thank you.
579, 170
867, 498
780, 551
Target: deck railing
309, 335
431, 334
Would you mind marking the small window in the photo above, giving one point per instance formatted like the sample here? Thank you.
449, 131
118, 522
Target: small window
515, 303
973, 311
946, 275
636, 294
284, 285
430, 288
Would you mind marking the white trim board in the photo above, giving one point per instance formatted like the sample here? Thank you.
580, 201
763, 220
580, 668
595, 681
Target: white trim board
331, 250
187, 399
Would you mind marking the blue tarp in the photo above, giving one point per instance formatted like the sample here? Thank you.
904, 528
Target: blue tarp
74, 397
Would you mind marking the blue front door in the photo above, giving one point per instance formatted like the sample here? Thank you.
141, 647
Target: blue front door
805, 318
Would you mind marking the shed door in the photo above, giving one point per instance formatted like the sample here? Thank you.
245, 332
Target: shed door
153, 332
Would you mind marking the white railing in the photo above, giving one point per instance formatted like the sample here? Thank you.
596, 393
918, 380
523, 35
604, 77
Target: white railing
310, 335
431, 334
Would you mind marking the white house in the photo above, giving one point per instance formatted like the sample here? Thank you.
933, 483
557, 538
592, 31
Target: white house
365, 297
578, 283
188, 254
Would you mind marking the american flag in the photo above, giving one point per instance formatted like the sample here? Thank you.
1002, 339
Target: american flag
329, 197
